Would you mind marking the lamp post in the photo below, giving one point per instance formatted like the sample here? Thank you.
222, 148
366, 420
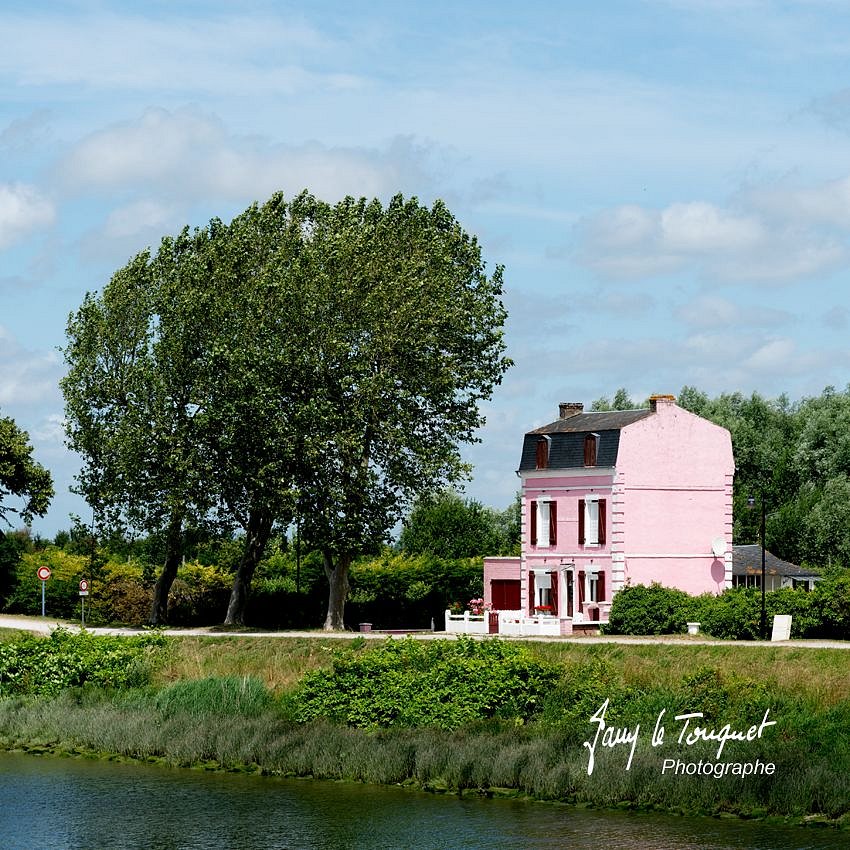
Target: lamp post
751, 503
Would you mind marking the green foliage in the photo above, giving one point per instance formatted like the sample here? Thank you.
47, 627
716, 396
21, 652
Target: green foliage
61, 590
242, 696
830, 601
448, 526
11, 549
735, 614
653, 610
621, 401
397, 590
20, 476
424, 683
794, 457
313, 358
47, 666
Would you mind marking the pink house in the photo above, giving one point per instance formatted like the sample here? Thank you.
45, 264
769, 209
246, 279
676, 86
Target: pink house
609, 498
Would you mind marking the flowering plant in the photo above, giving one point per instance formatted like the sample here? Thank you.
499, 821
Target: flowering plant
479, 606
544, 609
456, 608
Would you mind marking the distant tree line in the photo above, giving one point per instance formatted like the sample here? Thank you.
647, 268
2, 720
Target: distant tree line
793, 455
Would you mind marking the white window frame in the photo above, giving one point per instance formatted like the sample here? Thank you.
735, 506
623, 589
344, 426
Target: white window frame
591, 520
591, 586
543, 509
542, 587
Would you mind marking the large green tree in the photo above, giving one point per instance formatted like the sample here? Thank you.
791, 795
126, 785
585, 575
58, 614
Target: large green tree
404, 341
21, 477
30, 486
308, 360
137, 366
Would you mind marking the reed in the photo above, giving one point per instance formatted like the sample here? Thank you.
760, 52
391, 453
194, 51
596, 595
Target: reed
233, 704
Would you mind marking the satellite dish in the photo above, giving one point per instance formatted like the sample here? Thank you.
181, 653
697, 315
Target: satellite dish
718, 547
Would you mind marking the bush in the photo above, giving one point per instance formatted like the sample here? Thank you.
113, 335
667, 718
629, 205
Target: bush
734, 614
831, 601
409, 591
47, 666
425, 683
653, 610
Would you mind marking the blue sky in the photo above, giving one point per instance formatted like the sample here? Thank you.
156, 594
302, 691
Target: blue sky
667, 182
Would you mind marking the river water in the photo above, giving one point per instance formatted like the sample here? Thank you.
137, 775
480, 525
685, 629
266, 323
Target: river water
53, 803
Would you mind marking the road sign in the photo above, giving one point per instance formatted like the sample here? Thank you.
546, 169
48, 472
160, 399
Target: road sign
43, 573
84, 587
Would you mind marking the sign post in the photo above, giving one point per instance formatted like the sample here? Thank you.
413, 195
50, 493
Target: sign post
43, 573
84, 592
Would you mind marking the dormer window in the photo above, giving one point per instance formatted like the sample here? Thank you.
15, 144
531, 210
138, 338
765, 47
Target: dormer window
590, 442
543, 453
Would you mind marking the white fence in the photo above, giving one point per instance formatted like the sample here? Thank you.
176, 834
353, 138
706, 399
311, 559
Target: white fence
519, 623
466, 623
510, 623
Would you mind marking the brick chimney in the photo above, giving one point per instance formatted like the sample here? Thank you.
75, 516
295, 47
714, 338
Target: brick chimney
566, 409
661, 403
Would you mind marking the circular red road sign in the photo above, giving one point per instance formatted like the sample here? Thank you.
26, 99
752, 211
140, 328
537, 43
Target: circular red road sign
43, 573
84, 584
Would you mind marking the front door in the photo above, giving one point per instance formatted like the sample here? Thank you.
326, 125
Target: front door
568, 578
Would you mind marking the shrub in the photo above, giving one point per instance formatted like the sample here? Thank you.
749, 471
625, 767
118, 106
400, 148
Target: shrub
653, 610
734, 614
47, 666
409, 591
423, 683
831, 600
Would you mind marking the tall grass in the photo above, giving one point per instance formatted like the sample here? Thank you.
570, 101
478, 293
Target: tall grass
502, 758
232, 704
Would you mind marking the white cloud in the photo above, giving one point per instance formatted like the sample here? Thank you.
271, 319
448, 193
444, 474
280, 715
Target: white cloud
774, 355
139, 217
23, 209
26, 377
700, 228
712, 311
209, 53
631, 241
186, 156
50, 431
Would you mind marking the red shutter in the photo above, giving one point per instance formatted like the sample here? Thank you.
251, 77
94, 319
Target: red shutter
602, 503
580, 588
554, 575
590, 450
542, 453
553, 523
581, 521
530, 592
534, 523
600, 587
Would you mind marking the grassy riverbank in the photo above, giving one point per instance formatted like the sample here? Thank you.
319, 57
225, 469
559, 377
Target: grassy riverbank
514, 721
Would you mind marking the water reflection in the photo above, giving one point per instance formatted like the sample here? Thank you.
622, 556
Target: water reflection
49, 803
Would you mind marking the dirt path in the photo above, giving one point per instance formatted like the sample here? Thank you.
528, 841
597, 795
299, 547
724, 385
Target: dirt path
46, 625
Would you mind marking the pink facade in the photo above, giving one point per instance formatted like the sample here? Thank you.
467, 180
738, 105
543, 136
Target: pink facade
616, 497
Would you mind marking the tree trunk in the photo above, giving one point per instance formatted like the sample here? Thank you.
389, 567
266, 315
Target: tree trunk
338, 582
256, 536
173, 555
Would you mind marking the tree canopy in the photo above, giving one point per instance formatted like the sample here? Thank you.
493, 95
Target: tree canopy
310, 361
449, 526
21, 477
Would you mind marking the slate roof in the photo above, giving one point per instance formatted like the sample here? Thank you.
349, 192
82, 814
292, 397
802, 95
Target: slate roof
746, 560
604, 420
566, 447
